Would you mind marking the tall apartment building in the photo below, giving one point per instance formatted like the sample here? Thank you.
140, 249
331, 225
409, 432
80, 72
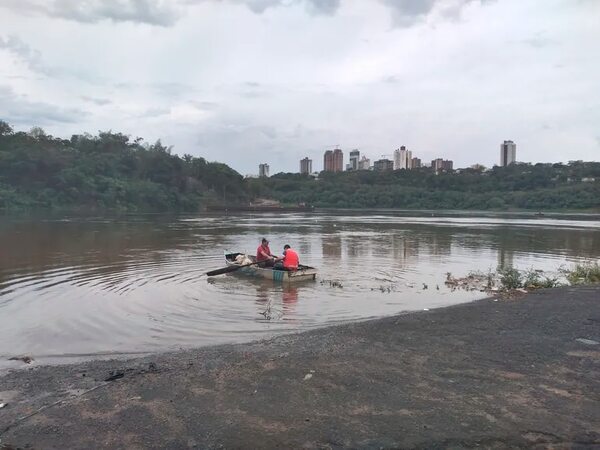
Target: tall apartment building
354, 160
508, 153
402, 158
263, 170
415, 163
333, 160
383, 165
328, 161
306, 166
440, 164
364, 163
338, 160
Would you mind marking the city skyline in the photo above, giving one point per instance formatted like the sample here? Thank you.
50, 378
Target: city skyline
401, 158
442, 74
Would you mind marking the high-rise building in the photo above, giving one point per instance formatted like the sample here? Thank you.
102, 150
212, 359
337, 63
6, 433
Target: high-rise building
383, 165
415, 163
364, 163
328, 161
354, 160
338, 160
402, 158
440, 164
333, 160
508, 153
306, 166
263, 170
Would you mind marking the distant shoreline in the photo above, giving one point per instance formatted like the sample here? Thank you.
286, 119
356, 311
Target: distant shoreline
560, 214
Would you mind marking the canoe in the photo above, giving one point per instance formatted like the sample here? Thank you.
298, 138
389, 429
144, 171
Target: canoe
303, 273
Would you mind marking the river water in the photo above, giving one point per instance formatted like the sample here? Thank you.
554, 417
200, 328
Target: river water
75, 288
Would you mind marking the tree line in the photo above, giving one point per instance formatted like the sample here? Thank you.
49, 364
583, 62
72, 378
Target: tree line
519, 186
107, 171
113, 171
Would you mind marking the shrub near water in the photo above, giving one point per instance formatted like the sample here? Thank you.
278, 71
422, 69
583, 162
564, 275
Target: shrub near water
585, 273
510, 278
534, 280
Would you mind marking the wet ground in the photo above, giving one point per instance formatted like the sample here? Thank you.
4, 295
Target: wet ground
518, 372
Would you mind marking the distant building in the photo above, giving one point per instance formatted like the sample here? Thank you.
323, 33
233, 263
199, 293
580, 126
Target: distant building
364, 163
333, 160
328, 161
354, 160
478, 167
263, 170
402, 158
415, 163
439, 165
305, 166
338, 160
508, 153
383, 165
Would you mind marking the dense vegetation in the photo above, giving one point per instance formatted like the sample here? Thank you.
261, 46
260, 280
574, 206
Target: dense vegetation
519, 186
111, 171
108, 171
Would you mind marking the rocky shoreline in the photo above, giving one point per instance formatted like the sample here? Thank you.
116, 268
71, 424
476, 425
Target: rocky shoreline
497, 373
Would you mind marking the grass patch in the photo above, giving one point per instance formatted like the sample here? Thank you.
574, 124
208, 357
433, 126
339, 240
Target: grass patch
510, 278
585, 273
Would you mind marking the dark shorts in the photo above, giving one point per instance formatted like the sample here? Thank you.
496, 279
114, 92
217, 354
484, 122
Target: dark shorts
279, 266
266, 263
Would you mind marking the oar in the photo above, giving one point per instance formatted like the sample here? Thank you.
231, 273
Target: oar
229, 269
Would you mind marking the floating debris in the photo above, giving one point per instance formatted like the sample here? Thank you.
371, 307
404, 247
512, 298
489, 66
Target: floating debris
332, 283
115, 375
25, 359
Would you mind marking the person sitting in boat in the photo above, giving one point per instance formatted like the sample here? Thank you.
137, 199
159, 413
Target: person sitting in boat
289, 261
263, 254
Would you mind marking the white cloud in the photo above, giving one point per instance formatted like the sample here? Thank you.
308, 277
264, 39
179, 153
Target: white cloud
153, 12
278, 80
20, 110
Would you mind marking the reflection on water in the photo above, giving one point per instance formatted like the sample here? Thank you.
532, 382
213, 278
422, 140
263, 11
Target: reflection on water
90, 286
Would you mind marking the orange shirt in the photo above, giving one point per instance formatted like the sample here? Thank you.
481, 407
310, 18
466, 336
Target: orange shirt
290, 259
261, 251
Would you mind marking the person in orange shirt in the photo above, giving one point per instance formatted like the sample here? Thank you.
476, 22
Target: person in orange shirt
263, 254
289, 261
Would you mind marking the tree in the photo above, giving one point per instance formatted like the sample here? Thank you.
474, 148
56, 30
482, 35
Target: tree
5, 128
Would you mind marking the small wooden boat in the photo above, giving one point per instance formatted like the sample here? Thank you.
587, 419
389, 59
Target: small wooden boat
302, 274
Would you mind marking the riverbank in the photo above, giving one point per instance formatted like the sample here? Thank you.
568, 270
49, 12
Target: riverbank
497, 373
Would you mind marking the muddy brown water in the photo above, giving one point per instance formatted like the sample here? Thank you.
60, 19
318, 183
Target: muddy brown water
75, 287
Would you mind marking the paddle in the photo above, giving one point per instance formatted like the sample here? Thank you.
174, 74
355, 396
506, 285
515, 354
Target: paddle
229, 269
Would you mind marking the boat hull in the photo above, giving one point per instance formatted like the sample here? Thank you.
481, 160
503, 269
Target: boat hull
304, 273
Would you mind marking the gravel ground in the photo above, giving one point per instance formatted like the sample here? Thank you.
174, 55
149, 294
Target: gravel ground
496, 373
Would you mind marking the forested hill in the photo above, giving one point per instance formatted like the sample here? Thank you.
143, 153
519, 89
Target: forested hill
571, 186
107, 171
111, 171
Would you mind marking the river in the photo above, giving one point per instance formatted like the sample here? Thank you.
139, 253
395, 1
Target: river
74, 287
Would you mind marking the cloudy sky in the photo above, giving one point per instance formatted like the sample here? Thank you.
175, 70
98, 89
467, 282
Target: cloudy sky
249, 81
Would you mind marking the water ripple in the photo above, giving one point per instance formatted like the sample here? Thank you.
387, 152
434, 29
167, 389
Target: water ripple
93, 287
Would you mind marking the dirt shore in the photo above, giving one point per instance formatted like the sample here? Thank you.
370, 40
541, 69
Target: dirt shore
514, 373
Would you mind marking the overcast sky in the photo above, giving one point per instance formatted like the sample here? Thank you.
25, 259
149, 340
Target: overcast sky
253, 81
